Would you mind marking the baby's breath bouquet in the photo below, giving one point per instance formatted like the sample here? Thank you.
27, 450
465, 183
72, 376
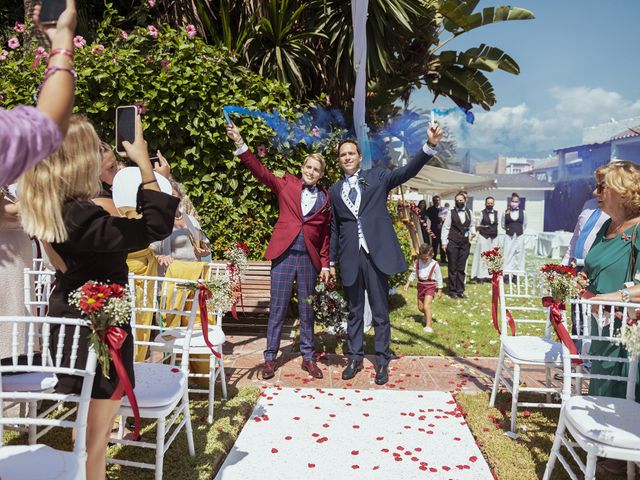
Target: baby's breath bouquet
564, 282
630, 339
106, 306
493, 259
222, 294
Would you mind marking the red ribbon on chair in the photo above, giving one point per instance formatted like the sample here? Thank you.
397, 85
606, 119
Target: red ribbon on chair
114, 337
234, 310
204, 295
495, 298
555, 315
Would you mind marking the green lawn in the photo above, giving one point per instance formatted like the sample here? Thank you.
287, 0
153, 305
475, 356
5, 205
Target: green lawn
461, 328
526, 457
212, 442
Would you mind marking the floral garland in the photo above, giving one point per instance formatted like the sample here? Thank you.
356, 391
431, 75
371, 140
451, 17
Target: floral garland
414, 208
329, 306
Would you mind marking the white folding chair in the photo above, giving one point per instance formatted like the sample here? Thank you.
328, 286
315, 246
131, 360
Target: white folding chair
523, 298
27, 462
602, 426
38, 283
161, 388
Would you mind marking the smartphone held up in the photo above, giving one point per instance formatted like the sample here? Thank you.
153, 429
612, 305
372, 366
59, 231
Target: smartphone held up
125, 126
51, 10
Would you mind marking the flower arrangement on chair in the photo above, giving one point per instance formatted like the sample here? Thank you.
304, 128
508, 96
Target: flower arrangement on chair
329, 306
564, 283
107, 306
236, 256
630, 339
494, 261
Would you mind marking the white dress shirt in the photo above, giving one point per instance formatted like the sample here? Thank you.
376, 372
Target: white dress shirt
352, 182
462, 215
587, 210
424, 269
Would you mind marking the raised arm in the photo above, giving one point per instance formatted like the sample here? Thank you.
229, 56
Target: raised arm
250, 161
401, 175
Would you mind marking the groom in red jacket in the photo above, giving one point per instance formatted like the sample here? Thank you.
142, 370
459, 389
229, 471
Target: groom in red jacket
298, 249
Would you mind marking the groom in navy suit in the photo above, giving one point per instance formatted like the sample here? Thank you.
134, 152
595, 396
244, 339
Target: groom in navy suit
365, 244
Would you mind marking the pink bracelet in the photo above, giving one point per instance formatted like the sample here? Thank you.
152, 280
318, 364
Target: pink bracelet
61, 51
50, 71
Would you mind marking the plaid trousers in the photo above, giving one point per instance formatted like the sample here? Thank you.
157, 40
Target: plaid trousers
291, 265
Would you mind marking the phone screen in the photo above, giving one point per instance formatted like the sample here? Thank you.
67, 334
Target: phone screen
125, 126
51, 10
154, 161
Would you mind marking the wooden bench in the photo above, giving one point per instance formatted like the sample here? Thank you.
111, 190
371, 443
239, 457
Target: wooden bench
253, 311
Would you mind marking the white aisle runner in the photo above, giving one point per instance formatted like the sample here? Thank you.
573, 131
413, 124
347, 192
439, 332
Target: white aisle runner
306, 433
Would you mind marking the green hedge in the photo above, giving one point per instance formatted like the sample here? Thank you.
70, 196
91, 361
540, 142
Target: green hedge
183, 83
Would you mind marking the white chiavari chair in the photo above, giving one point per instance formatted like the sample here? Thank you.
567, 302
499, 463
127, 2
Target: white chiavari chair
35, 461
602, 426
522, 297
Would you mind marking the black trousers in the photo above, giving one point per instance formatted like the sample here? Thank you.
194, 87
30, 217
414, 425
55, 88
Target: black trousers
377, 285
458, 254
436, 244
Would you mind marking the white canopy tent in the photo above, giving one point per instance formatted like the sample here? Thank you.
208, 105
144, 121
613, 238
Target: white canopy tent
443, 181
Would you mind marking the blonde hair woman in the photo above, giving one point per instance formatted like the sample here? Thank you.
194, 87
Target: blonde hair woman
86, 243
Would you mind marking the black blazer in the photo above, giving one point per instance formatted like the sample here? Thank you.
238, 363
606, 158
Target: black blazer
376, 223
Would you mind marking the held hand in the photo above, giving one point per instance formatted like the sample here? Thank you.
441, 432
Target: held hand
234, 134
137, 151
434, 134
201, 252
66, 23
332, 272
164, 168
164, 260
443, 247
325, 275
439, 294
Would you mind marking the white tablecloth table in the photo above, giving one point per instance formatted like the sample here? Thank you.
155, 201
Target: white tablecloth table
553, 244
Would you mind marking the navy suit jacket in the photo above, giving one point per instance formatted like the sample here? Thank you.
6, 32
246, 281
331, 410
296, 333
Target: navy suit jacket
376, 223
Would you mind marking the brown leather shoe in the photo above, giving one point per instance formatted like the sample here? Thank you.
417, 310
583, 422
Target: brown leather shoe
312, 367
268, 370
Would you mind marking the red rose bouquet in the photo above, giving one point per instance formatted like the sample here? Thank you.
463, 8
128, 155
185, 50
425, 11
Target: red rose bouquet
106, 306
493, 259
564, 283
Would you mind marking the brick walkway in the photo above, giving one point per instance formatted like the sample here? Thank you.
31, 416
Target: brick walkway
243, 361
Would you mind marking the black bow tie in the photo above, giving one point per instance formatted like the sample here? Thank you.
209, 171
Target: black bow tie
311, 188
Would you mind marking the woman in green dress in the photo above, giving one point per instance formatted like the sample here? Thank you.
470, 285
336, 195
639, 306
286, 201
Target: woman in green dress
608, 263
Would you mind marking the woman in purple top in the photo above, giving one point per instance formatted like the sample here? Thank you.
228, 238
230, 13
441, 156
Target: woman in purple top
29, 134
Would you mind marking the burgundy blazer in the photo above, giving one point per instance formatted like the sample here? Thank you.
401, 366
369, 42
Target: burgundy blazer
288, 189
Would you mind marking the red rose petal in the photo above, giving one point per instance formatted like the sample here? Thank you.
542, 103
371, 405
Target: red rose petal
473, 459
288, 437
355, 452
379, 438
274, 450
445, 468
355, 467
311, 465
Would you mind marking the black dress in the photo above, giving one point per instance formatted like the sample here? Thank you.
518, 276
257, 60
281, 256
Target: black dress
97, 249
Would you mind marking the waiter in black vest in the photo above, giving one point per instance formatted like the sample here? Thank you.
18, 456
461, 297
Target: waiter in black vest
457, 232
514, 222
487, 240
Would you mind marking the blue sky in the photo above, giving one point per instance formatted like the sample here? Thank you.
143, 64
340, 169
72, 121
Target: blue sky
580, 66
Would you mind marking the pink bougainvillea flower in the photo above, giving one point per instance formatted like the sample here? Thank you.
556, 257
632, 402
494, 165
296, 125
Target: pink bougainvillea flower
39, 53
79, 41
262, 150
98, 50
124, 35
152, 3
164, 63
19, 27
153, 31
191, 31
4, 54
13, 43
316, 131
142, 107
